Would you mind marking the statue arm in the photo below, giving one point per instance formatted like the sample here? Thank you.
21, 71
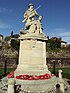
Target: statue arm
25, 15
34, 13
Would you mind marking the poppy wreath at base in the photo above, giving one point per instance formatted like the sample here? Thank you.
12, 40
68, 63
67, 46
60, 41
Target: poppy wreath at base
11, 74
34, 77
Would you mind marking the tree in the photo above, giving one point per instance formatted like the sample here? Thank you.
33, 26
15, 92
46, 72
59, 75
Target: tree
69, 46
7, 38
15, 44
53, 45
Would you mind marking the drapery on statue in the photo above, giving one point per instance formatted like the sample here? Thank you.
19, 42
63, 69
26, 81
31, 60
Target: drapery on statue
32, 25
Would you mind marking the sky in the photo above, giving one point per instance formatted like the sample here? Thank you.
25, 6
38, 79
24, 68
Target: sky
55, 22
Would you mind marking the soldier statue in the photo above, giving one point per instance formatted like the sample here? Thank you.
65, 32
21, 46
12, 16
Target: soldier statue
28, 15
32, 25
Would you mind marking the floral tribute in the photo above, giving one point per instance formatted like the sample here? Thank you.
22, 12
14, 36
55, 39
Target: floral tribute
11, 74
34, 77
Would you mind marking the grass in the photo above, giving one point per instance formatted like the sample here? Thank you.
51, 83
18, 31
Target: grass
65, 73
8, 70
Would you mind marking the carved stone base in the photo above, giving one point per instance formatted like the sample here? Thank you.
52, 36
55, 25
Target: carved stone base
37, 86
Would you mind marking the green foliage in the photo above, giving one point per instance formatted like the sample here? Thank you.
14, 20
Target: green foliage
8, 70
53, 45
68, 46
7, 38
65, 74
15, 44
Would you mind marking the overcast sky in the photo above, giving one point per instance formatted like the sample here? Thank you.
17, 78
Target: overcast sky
56, 16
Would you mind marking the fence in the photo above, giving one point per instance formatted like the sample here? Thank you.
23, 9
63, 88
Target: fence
59, 62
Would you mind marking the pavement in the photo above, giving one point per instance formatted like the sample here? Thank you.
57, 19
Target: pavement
3, 91
67, 91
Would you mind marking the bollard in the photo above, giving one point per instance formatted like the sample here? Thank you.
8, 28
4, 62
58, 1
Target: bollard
60, 74
61, 82
11, 84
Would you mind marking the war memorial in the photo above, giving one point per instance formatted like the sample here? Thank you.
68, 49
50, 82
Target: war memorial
32, 74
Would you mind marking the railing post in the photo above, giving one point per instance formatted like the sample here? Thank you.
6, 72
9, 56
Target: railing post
53, 66
5, 66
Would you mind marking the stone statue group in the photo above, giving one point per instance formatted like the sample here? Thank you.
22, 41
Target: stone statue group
32, 25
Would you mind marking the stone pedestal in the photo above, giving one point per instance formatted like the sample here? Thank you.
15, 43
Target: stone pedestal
32, 54
32, 61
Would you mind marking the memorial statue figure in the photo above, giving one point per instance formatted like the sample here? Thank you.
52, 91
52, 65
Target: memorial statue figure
28, 15
39, 25
36, 25
32, 25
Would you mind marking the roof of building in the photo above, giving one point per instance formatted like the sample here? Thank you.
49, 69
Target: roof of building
57, 39
15, 35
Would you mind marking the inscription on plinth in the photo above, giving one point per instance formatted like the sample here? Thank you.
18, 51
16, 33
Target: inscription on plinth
32, 52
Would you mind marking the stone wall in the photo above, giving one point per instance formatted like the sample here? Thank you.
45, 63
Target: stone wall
62, 59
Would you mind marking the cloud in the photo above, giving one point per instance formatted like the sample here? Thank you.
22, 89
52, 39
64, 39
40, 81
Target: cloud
67, 39
4, 10
4, 25
60, 32
65, 34
60, 29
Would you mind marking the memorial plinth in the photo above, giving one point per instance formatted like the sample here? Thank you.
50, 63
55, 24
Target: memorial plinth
32, 72
32, 54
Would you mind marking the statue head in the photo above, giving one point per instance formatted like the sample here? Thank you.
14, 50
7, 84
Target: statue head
31, 5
